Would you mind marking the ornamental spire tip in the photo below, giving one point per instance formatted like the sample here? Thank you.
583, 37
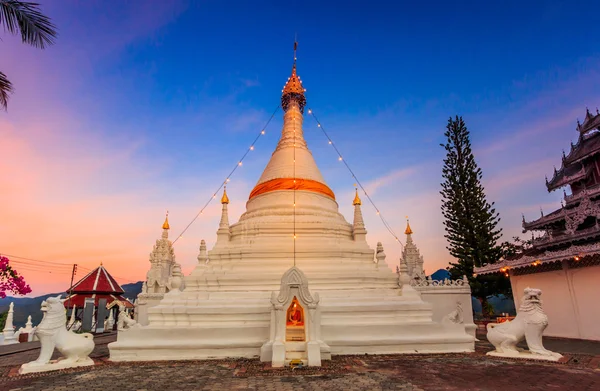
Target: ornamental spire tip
224, 199
166, 223
293, 89
408, 230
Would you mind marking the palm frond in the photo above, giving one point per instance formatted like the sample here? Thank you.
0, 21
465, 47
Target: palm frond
6, 88
19, 16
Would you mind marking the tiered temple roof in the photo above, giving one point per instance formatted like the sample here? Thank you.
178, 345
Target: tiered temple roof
572, 232
97, 284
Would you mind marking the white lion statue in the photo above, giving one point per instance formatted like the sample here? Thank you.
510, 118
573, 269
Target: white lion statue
124, 321
529, 324
52, 333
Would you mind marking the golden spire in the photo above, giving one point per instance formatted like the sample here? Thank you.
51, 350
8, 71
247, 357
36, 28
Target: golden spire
356, 199
225, 199
408, 230
166, 223
293, 89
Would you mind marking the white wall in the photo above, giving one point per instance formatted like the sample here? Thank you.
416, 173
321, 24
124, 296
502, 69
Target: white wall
571, 299
144, 303
443, 300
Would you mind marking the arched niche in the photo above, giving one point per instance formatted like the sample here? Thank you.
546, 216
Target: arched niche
295, 325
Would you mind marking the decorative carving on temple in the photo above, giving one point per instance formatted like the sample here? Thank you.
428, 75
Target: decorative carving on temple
448, 283
455, 316
539, 259
294, 279
380, 255
52, 333
412, 257
529, 324
162, 261
176, 283
202, 254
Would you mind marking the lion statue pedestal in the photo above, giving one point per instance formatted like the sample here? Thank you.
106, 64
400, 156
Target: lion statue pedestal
52, 333
530, 323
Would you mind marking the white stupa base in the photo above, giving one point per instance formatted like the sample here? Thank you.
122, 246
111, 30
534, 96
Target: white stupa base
148, 344
527, 355
9, 338
54, 365
202, 325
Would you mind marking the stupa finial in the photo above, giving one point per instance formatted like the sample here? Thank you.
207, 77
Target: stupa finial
224, 199
408, 230
166, 223
293, 91
357, 200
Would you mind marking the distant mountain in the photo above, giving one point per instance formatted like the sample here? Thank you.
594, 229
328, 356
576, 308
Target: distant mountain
25, 306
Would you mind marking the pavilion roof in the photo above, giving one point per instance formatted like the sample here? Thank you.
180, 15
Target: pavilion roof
98, 280
534, 257
587, 145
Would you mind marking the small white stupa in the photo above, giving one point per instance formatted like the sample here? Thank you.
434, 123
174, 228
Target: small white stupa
292, 279
9, 329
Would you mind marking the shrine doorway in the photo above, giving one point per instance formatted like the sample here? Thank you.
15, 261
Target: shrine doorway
295, 322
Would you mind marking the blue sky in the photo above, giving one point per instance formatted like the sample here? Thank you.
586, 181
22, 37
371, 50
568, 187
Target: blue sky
147, 106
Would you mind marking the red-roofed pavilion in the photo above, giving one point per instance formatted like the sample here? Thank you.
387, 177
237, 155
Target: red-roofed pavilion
97, 284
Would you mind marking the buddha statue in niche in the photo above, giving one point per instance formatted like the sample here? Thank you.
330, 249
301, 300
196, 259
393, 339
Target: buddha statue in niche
295, 314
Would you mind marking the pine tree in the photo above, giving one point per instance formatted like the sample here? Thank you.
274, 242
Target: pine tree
471, 222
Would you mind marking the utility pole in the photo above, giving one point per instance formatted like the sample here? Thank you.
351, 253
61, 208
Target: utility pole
71, 286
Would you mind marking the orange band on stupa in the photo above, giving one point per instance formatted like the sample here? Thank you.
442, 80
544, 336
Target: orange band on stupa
288, 184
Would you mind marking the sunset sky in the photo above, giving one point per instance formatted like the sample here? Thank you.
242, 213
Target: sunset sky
148, 106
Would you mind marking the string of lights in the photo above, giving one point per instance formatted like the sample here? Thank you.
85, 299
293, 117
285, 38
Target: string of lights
36, 265
341, 159
239, 164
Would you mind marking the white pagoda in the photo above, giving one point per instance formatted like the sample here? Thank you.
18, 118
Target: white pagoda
292, 279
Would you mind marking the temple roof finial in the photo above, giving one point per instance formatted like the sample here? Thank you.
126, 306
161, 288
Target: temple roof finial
357, 200
166, 223
293, 89
295, 48
408, 230
224, 199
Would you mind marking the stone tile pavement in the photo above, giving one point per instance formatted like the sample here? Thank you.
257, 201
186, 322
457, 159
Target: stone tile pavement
447, 372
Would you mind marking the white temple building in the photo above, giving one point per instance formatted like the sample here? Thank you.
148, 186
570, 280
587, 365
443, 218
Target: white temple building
292, 279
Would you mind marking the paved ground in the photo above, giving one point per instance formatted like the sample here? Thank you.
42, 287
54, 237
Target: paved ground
450, 372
